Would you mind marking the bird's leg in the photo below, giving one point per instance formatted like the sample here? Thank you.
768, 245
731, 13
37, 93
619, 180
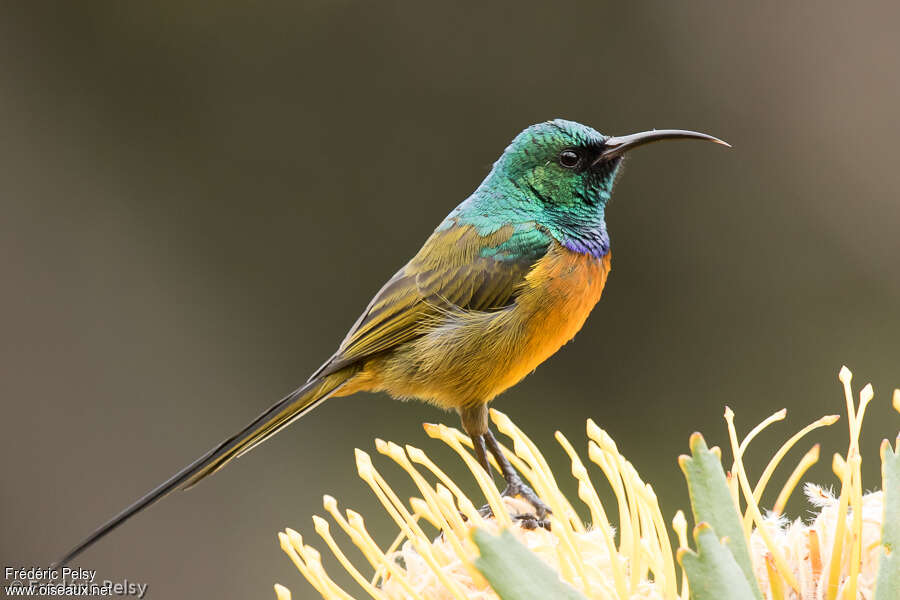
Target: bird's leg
475, 423
515, 487
480, 454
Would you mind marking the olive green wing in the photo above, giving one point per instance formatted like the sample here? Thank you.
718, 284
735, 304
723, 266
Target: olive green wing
457, 268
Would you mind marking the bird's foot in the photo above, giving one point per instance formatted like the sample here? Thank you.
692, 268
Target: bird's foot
519, 498
525, 520
516, 488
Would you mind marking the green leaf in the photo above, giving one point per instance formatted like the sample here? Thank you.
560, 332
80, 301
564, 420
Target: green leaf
712, 504
887, 584
515, 572
712, 573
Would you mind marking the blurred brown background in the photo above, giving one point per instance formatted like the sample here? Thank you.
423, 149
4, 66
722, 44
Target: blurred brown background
198, 199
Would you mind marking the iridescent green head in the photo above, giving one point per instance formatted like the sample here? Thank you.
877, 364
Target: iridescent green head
557, 162
558, 175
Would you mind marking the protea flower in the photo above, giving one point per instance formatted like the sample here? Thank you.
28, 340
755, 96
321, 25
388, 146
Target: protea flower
445, 549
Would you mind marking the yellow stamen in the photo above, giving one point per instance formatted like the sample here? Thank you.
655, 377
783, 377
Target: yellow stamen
465, 505
416, 566
360, 537
837, 549
679, 525
845, 377
288, 548
281, 592
563, 516
733, 485
485, 482
628, 545
541, 475
447, 522
313, 567
856, 502
785, 448
358, 525
776, 586
380, 569
450, 510
404, 521
314, 562
664, 545
777, 556
777, 416
431, 505
321, 527
588, 495
808, 460
599, 447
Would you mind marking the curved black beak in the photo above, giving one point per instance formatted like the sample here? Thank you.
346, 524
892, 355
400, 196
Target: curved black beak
619, 145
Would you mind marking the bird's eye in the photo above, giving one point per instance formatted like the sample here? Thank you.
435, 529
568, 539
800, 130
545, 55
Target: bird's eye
569, 159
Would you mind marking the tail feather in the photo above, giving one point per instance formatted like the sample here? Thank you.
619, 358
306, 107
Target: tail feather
280, 415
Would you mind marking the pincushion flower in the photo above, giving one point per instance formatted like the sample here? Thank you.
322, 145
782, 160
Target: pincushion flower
445, 549
808, 547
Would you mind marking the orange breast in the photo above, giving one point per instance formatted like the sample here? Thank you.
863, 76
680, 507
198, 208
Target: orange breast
563, 288
467, 358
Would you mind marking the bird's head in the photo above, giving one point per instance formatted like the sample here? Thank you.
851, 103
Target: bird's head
564, 172
565, 163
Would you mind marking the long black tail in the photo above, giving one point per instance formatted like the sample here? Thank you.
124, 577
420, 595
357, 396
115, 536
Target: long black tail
280, 415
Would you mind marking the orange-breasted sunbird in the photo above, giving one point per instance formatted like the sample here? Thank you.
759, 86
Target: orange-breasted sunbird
505, 280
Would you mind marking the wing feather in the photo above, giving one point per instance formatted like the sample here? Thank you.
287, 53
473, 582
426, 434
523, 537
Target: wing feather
457, 268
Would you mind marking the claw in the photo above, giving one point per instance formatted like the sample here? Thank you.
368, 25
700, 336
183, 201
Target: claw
524, 520
531, 522
518, 490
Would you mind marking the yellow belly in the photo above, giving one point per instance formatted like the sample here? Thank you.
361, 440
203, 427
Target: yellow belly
470, 357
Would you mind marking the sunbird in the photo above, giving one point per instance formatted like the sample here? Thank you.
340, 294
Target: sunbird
505, 280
